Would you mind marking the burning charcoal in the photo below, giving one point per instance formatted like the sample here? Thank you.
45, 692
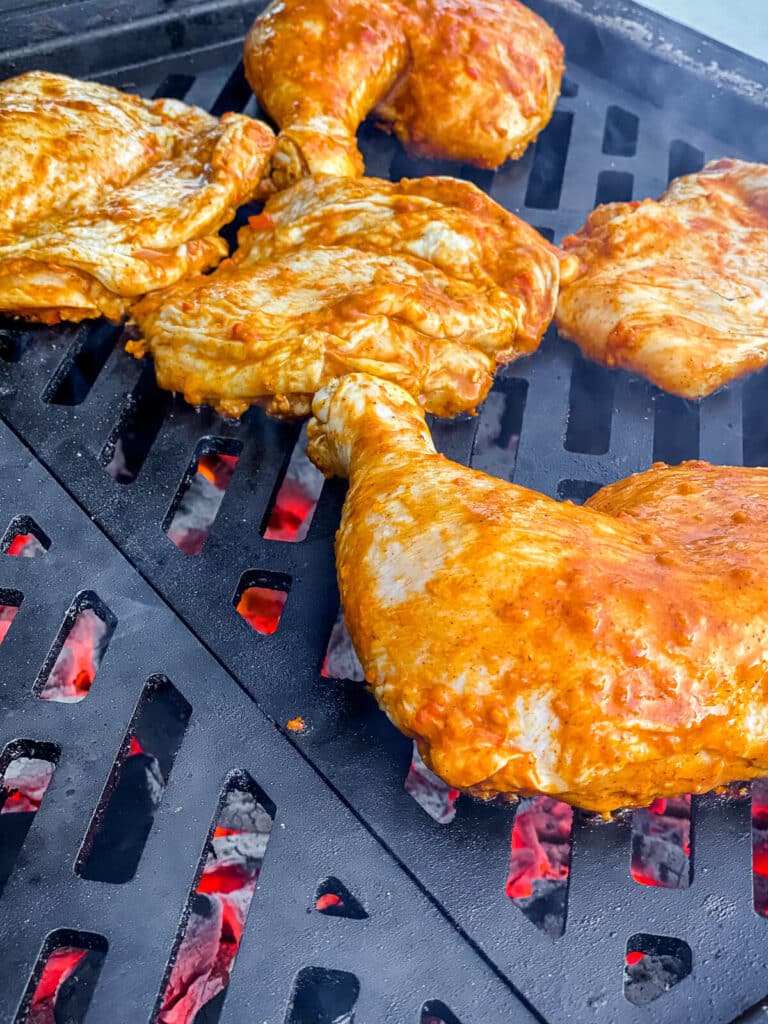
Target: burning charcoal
340, 660
24, 784
430, 792
25, 545
201, 969
60, 965
78, 660
760, 845
648, 976
661, 843
195, 514
540, 861
295, 504
8, 613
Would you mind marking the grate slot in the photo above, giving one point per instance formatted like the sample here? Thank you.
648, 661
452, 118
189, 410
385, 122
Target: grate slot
27, 767
77, 373
74, 659
620, 134
546, 180
322, 996
64, 979
676, 429
190, 518
138, 425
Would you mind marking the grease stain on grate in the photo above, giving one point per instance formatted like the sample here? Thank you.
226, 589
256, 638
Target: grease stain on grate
64, 978
73, 661
24, 539
322, 996
212, 924
27, 768
260, 599
190, 518
540, 862
131, 797
653, 965
661, 843
334, 899
293, 507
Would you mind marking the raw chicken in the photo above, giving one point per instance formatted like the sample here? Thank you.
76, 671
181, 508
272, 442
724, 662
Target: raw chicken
463, 81
604, 655
106, 196
428, 283
676, 290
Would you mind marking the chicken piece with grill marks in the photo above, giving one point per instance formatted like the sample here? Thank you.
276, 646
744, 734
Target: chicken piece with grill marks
676, 290
604, 655
427, 282
474, 82
106, 196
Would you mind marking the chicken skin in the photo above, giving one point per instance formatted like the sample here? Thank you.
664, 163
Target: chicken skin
106, 196
676, 290
428, 283
474, 82
603, 655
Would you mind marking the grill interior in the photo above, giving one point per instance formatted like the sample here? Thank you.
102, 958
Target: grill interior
93, 431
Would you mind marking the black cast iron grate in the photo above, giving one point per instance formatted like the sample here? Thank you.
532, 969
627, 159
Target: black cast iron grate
553, 422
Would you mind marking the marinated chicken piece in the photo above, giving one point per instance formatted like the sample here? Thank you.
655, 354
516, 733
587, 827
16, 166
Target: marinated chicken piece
428, 283
462, 81
676, 290
106, 196
603, 655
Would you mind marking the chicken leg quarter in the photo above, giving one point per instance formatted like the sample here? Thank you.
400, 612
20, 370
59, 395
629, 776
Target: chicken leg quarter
603, 655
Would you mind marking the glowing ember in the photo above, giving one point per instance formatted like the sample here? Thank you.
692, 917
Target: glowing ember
328, 900
296, 724
262, 607
760, 845
295, 504
78, 660
8, 613
203, 962
634, 957
25, 545
661, 844
60, 965
436, 797
24, 784
540, 862
194, 516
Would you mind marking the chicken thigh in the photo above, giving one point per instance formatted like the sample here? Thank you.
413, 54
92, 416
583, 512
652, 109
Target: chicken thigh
427, 282
462, 81
106, 196
676, 290
603, 655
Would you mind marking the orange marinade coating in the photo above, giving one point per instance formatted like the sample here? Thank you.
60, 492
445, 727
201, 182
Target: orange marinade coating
474, 82
676, 289
105, 196
425, 282
603, 655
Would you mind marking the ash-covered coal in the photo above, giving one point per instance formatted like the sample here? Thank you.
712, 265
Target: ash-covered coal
661, 843
297, 498
540, 862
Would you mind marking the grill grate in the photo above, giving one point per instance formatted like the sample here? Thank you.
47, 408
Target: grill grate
553, 422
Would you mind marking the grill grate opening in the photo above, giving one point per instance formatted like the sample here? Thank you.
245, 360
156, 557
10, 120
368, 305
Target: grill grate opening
435, 1012
661, 844
86, 358
683, 159
654, 964
213, 921
577, 491
27, 769
433, 795
759, 805
73, 661
321, 996
24, 539
614, 187
340, 661
137, 427
620, 133
545, 182
498, 432
540, 862
590, 406
676, 429
334, 899
190, 518
10, 603
293, 506
123, 820
260, 599
755, 420
64, 979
